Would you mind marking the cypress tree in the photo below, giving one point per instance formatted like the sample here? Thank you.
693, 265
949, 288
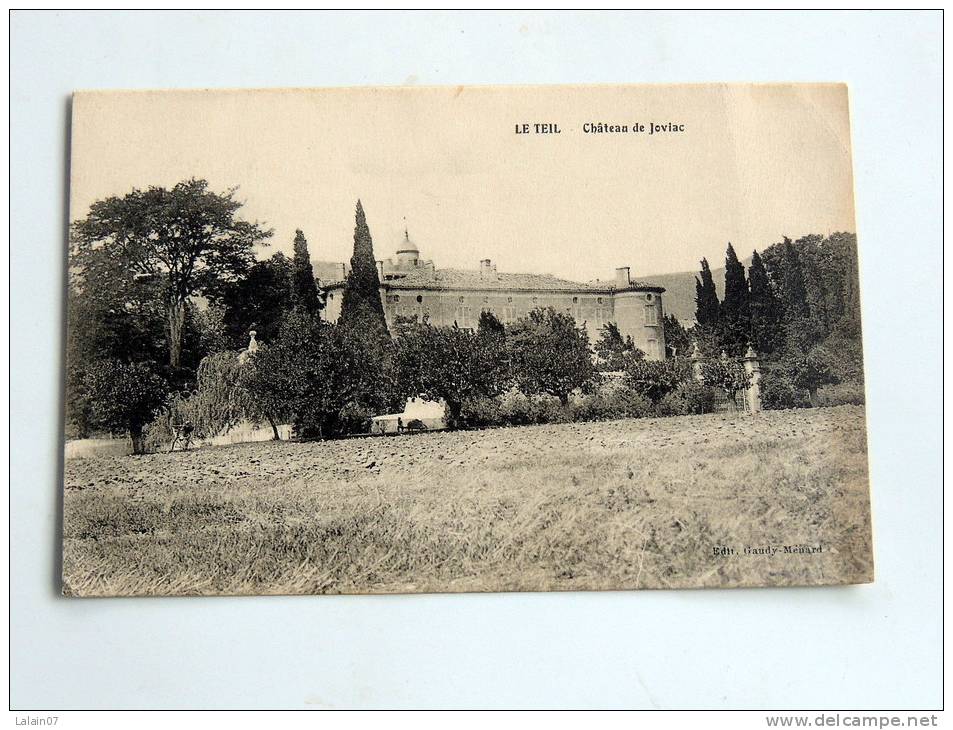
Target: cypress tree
764, 306
304, 285
362, 286
363, 325
706, 297
700, 310
734, 315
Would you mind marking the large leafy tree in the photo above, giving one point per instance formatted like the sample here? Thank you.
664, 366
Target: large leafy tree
308, 376
258, 301
801, 328
111, 315
734, 323
447, 363
814, 280
549, 353
125, 397
613, 350
186, 240
205, 331
114, 313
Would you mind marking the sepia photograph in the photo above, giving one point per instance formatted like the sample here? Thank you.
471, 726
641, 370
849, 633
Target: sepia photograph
476, 361
463, 339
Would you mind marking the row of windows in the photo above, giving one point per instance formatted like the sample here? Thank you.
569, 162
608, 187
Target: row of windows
575, 300
509, 313
394, 298
464, 315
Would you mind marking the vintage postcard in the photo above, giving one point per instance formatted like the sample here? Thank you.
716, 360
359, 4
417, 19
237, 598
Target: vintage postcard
379, 340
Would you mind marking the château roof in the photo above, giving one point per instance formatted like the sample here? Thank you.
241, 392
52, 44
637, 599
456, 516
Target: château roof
465, 279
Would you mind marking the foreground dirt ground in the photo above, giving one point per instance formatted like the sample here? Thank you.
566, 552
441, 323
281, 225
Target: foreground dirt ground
641, 503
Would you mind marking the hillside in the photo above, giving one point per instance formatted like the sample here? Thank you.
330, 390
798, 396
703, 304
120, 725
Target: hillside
679, 297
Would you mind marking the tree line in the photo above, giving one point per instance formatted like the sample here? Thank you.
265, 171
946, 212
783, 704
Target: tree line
164, 290
797, 305
165, 287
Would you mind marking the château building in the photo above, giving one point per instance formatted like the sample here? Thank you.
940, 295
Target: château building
412, 286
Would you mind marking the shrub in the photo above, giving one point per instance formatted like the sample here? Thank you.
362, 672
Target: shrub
605, 406
549, 409
516, 409
847, 393
481, 413
813, 371
727, 375
687, 399
355, 418
794, 381
846, 357
158, 435
778, 390
656, 379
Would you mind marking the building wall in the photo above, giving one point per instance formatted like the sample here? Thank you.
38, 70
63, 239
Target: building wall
638, 314
332, 305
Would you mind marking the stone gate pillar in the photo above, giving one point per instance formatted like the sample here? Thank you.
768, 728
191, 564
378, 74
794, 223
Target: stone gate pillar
251, 349
753, 368
697, 363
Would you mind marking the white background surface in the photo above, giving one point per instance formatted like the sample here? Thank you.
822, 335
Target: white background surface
862, 647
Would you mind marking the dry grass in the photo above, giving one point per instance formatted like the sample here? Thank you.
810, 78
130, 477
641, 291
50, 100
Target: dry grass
624, 504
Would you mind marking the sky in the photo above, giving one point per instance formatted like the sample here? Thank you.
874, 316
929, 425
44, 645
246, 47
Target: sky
752, 164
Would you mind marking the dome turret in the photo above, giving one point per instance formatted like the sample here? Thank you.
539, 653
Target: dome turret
408, 252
